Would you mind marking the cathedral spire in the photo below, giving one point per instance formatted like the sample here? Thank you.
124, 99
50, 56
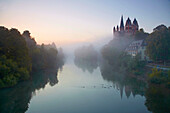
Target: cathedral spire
121, 24
117, 28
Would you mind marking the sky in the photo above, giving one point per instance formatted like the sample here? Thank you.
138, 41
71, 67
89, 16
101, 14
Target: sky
75, 21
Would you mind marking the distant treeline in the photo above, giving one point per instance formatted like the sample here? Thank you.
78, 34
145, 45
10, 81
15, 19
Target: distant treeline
86, 58
20, 55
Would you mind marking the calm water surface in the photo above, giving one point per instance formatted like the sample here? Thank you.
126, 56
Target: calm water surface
79, 87
85, 91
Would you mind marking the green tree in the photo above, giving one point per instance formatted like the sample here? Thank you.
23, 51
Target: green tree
13, 46
158, 47
11, 73
19, 54
139, 35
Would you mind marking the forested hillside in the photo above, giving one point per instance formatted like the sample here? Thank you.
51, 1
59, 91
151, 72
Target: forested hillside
20, 55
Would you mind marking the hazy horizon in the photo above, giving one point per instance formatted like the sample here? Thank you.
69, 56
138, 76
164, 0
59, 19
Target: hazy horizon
70, 56
70, 22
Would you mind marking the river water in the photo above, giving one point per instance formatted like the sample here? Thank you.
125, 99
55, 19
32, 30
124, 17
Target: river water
85, 91
76, 88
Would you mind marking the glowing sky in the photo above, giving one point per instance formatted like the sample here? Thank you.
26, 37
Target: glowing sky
70, 21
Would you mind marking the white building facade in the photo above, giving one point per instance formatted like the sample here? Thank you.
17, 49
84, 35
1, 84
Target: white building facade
137, 47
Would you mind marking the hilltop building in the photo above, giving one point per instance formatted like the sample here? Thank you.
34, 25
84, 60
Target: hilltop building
128, 29
137, 47
132, 47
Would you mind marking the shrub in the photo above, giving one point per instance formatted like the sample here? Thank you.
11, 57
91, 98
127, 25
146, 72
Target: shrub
24, 74
10, 80
10, 73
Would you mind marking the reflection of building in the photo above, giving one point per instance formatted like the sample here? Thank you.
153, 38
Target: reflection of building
127, 91
128, 29
137, 47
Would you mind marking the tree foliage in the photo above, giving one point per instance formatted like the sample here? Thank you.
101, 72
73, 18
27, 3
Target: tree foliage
139, 35
42, 56
13, 46
11, 73
160, 77
158, 47
20, 55
120, 60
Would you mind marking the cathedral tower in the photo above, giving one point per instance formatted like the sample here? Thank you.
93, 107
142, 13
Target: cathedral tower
121, 25
128, 26
128, 29
135, 26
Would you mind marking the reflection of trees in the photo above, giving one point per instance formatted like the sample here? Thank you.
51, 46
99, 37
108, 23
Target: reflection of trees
16, 99
86, 58
158, 99
121, 80
89, 65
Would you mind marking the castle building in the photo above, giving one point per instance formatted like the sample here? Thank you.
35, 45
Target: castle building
128, 29
137, 47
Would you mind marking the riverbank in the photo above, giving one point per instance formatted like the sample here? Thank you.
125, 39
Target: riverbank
158, 66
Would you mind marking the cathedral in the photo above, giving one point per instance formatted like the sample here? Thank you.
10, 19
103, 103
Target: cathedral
128, 29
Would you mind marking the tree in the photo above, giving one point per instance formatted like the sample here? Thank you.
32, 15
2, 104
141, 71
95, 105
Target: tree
139, 35
13, 46
31, 43
158, 47
19, 54
11, 73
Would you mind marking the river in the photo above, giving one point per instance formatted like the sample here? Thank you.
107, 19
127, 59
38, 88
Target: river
76, 88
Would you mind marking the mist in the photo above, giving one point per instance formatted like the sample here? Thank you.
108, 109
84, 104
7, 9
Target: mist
84, 56
97, 44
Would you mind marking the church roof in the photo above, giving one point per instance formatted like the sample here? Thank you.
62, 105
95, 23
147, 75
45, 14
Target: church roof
135, 22
128, 22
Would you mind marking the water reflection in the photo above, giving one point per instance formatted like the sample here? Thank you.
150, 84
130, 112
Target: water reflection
157, 99
17, 99
122, 81
89, 65
86, 58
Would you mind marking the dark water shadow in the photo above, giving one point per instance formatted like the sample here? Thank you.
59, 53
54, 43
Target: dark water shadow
157, 96
17, 98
